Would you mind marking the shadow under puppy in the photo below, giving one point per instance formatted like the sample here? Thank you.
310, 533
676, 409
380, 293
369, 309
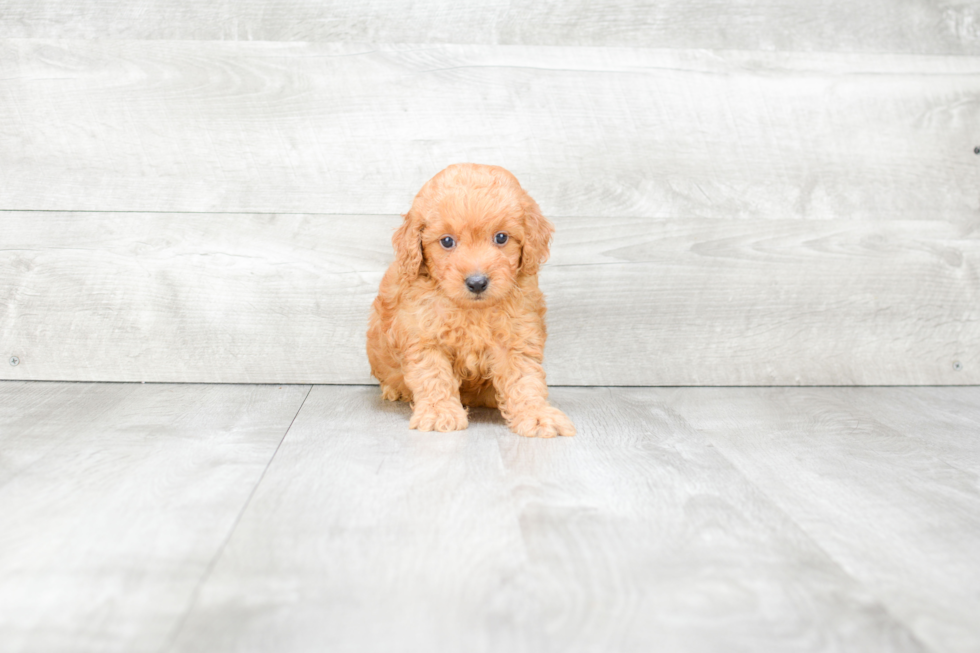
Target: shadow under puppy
459, 318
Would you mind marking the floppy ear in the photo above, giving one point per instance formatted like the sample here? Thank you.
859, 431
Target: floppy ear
407, 242
537, 237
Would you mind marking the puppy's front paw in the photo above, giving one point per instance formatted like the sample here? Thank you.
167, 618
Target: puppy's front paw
542, 422
438, 417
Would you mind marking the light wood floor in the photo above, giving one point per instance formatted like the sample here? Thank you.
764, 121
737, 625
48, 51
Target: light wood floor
296, 518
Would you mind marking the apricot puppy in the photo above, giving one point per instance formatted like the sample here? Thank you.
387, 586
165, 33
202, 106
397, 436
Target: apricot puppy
459, 319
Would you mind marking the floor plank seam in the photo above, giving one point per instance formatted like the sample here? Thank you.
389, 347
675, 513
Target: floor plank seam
882, 603
221, 548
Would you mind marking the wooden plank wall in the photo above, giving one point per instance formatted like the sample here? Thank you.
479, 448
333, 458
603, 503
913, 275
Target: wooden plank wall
905, 27
745, 193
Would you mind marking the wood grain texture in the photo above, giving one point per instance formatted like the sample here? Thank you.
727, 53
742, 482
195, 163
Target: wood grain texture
868, 474
285, 298
708, 302
36, 418
114, 499
911, 26
635, 535
920, 414
693, 519
328, 128
152, 297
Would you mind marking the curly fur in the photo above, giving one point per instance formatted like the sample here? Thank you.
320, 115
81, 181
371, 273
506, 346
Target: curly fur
432, 341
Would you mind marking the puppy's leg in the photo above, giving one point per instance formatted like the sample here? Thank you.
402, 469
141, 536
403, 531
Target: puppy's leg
523, 398
435, 391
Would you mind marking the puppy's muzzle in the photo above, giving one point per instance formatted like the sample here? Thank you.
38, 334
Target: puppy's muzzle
477, 283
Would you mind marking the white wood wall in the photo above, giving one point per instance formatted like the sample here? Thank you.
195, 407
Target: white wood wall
745, 193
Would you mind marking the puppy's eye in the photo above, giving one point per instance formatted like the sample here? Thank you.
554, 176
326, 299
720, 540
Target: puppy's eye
447, 242
500, 238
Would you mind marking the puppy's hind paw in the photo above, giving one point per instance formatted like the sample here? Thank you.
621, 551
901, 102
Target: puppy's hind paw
441, 417
542, 422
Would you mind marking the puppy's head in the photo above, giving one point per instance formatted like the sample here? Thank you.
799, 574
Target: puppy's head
474, 230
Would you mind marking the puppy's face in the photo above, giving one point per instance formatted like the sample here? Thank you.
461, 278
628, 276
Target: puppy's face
475, 231
473, 251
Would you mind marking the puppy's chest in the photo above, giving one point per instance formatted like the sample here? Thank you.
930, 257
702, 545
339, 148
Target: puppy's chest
473, 344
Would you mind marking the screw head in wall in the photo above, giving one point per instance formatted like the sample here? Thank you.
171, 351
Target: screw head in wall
14, 361
957, 366
976, 150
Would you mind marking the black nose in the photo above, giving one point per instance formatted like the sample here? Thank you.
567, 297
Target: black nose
477, 283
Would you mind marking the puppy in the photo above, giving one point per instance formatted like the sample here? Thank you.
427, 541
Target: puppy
459, 319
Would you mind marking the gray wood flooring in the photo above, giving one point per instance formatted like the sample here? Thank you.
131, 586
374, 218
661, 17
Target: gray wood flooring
145, 517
